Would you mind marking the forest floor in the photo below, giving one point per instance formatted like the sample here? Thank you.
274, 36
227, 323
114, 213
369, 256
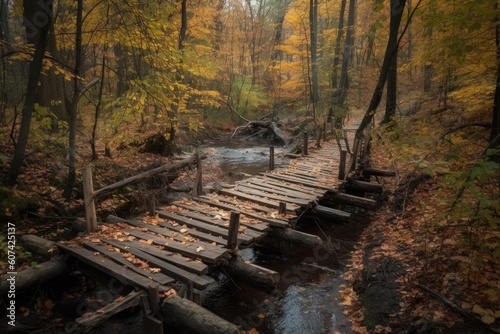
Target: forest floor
403, 277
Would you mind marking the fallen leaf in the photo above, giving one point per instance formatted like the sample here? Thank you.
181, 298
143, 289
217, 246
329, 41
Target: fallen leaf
199, 249
487, 319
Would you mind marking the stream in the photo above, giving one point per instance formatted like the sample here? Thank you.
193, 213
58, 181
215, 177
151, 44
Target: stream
307, 298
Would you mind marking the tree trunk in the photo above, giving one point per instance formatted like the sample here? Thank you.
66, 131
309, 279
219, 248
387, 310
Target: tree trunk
50, 93
397, 8
336, 57
346, 58
98, 107
5, 36
313, 23
495, 121
74, 102
33, 28
184, 20
392, 94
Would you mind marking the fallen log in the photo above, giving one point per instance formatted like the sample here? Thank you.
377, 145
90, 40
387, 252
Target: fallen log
295, 236
356, 185
360, 202
378, 172
333, 214
195, 318
253, 275
38, 245
33, 276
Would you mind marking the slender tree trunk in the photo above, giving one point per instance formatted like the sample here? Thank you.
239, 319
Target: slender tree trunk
338, 42
495, 120
397, 8
5, 36
98, 107
37, 19
73, 112
184, 20
392, 94
347, 56
313, 22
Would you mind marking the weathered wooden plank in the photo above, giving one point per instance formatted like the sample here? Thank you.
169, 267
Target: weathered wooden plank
246, 235
110, 268
216, 229
271, 221
247, 204
272, 195
298, 175
197, 234
277, 190
295, 180
185, 263
174, 232
311, 190
261, 227
167, 268
318, 172
208, 255
257, 199
87, 323
118, 258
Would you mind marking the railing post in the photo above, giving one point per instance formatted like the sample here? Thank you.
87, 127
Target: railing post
234, 225
306, 143
89, 201
271, 158
282, 208
342, 162
151, 204
198, 183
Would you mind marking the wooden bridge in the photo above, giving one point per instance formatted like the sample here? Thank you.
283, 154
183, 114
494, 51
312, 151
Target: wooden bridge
165, 257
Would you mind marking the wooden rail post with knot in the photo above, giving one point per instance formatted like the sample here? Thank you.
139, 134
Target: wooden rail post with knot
89, 199
234, 225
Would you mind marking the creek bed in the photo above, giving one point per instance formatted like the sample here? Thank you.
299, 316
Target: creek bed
307, 298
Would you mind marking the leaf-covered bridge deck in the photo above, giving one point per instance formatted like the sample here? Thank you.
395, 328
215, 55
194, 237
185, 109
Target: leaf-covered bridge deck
187, 239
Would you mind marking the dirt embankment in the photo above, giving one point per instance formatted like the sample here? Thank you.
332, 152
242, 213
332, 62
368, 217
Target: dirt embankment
400, 280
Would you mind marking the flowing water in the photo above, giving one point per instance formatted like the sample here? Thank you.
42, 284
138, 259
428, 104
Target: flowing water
307, 297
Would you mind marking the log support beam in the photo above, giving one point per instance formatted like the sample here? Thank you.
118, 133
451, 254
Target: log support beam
253, 275
195, 318
296, 237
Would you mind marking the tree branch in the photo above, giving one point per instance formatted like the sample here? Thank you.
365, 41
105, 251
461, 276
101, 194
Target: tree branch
479, 124
234, 110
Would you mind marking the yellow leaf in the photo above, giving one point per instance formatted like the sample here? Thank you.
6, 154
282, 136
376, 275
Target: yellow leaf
261, 316
487, 319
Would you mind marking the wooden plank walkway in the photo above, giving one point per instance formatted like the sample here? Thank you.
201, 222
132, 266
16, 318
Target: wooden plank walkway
187, 239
